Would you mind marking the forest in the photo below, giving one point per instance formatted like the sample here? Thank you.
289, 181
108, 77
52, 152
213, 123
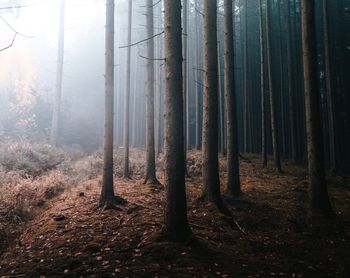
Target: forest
174, 138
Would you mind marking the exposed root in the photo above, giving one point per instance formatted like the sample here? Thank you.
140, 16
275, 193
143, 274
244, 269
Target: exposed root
213, 204
112, 204
151, 181
185, 236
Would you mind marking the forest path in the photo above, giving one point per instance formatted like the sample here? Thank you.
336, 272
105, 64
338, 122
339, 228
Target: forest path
89, 243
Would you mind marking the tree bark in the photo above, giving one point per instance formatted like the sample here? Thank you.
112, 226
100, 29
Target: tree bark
319, 200
245, 76
233, 180
281, 87
160, 90
150, 142
329, 88
274, 125
127, 99
185, 77
107, 197
210, 168
262, 88
176, 224
197, 81
222, 140
291, 87
59, 74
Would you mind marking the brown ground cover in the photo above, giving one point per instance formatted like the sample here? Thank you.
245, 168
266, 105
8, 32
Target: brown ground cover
269, 234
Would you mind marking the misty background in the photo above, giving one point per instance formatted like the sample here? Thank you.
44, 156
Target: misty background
28, 70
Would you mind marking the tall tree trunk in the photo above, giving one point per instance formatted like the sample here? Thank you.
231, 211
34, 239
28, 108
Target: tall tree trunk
329, 88
291, 87
127, 99
197, 81
233, 180
150, 144
281, 77
262, 88
59, 74
185, 77
274, 125
223, 116
245, 76
176, 224
210, 168
160, 107
221, 103
160, 84
319, 200
134, 105
107, 197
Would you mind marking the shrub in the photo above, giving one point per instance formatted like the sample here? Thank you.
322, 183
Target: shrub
20, 196
30, 159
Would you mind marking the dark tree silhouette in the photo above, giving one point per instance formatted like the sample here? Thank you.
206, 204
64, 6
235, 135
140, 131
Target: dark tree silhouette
210, 168
319, 200
233, 180
150, 140
176, 225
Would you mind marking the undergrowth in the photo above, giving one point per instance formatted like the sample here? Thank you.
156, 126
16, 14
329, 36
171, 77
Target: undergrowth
30, 175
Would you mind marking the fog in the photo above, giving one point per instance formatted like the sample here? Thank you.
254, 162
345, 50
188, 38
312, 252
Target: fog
28, 68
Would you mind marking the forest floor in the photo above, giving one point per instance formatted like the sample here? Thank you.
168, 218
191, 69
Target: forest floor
69, 237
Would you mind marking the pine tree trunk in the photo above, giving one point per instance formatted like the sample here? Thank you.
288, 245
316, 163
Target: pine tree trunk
134, 103
160, 106
107, 198
210, 168
127, 99
185, 77
233, 180
281, 77
329, 88
291, 87
150, 142
59, 74
274, 125
245, 85
160, 80
197, 81
221, 104
262, 88
319, 200
176, 224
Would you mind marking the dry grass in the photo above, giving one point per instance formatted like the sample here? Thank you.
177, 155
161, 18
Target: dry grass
33, 174
30, 175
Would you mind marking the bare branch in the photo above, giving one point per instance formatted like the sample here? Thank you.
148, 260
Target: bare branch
13, 29
198, 11
144, 40
200, 84
155, 4
14, 7
11, 44
153, 59
202, 70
